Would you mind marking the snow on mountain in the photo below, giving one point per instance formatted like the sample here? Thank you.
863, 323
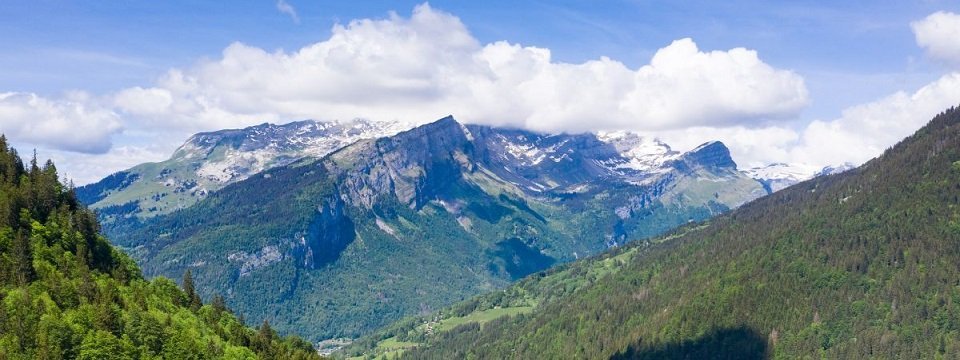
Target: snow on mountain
208, 161
641, 153
830, 169
249, 151
777, 176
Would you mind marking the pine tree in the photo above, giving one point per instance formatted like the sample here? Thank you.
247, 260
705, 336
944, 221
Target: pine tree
188, 287
219, 306
23, 259
266, 333
264, 340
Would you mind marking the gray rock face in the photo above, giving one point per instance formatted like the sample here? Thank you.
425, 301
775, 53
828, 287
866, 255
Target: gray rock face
713, 155
411, 166
329, 233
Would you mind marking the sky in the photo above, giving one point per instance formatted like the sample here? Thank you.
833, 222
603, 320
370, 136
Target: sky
102, 86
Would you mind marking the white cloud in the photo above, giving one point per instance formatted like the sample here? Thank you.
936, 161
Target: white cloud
939, 34
865, 131
749, 146
84, 168
429, 65
73, 123
285, 8
861, 133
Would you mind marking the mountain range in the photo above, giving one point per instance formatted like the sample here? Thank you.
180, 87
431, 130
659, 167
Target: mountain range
342, 241
207, 162
860, 264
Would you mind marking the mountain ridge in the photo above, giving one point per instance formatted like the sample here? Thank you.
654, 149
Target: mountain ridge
208, 161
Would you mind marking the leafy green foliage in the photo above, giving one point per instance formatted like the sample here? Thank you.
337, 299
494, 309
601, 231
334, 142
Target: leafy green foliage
860, 264
65, 293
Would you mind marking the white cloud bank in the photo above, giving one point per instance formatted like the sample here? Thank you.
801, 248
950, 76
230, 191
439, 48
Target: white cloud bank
939, 34
73, 123
862, 131
426, 66
865, 131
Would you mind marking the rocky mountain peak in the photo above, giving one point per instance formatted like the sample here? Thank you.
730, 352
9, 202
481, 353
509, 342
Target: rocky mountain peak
713, 155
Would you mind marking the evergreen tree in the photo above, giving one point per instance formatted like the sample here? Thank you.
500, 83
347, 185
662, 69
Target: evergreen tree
219, 306
193, 299
23, 259
264, 341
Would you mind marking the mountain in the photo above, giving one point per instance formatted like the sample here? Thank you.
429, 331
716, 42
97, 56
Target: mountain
860, 264
209, 161
777, 176
384, 228
65, 293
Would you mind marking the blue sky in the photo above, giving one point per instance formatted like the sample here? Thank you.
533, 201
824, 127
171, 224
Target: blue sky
847, 53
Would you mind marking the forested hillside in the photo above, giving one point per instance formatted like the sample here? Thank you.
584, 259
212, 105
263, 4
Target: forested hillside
65, 293
861, 264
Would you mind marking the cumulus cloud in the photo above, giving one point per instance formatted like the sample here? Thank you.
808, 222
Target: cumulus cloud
425, 66
285, 8
749, 146
428, 65
73, 123
861, 133
939, 34
83, 168
865, 131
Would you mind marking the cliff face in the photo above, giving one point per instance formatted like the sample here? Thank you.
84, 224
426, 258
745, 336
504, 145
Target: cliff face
329, 233
714, 156
412, 166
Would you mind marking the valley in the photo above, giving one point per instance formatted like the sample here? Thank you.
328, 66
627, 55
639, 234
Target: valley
339, 245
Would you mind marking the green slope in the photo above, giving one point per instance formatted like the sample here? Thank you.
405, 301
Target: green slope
860, 264
65, 293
